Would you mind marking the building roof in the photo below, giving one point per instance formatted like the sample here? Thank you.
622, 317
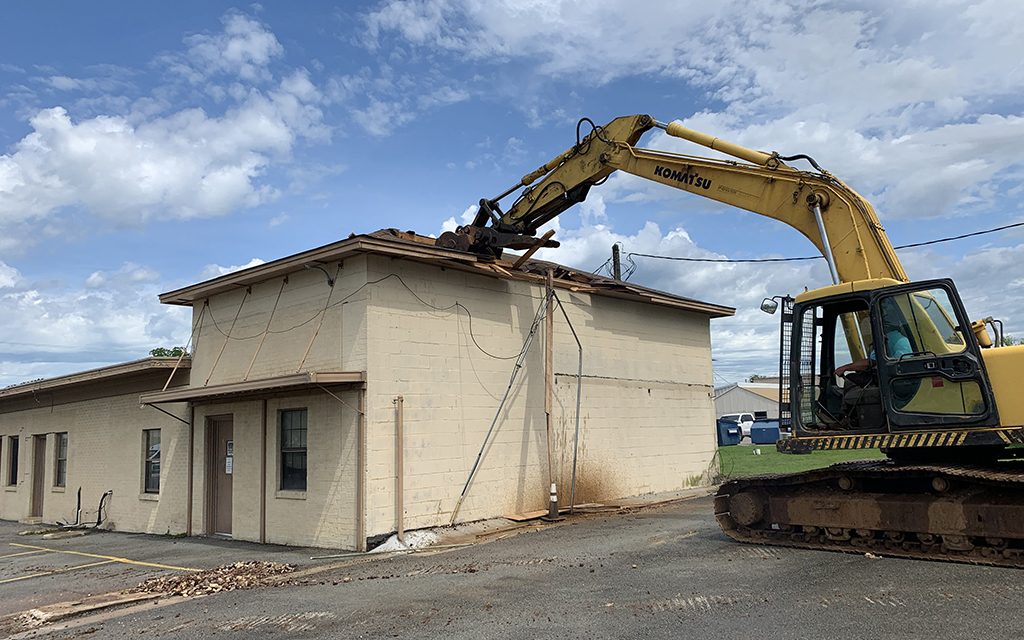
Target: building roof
291, 382
408, 245
769, 391
93, 375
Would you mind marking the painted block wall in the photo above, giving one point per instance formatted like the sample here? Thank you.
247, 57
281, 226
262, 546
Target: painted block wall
276, 327
105, 452
647, 409
322, 516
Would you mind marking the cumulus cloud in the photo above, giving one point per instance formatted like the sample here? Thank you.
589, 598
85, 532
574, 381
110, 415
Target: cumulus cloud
215, 270
9, 276
116, 316
129, 274
131, 167
910, 107
244, 48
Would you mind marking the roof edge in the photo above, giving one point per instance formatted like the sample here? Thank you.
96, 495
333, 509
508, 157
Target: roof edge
91, 375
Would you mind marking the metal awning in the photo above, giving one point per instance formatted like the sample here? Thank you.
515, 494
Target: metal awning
294, 382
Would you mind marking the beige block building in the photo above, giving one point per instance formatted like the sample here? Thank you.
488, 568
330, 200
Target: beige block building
345, 392
85, 435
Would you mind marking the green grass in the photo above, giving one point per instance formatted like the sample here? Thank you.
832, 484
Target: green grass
740, 461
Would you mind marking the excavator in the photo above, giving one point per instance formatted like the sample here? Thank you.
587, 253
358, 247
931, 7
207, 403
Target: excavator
871, 361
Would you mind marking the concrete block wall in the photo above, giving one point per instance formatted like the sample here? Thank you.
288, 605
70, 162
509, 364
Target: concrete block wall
289, 310
105, 452
322, 516
647, 416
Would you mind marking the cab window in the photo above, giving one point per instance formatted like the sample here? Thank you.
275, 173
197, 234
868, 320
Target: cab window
920, 322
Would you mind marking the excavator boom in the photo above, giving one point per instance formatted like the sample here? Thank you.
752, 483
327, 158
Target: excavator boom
838, 221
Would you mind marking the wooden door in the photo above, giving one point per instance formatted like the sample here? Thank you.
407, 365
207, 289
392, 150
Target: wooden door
38, 476
220, 446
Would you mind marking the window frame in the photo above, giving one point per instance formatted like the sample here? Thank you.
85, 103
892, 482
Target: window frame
147, 464
60, 472
283, 451
13, 453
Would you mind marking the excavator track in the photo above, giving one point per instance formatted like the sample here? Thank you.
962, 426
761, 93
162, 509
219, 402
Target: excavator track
951, 513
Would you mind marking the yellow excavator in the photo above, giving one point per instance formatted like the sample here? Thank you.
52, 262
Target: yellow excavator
871, 361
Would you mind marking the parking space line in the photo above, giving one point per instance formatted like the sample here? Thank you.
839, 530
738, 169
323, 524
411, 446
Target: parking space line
55, 571
20, 553
110, 558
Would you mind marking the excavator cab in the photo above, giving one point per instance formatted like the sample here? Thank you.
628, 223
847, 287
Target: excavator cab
918, 368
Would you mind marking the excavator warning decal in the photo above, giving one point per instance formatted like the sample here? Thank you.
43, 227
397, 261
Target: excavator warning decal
898, 441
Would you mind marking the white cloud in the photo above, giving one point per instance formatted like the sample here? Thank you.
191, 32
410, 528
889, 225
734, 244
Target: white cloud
216, 270
278, 220
129, 274
914, 109
381, 118
60, 329
132, 167
244, 48
464, 218
9, 276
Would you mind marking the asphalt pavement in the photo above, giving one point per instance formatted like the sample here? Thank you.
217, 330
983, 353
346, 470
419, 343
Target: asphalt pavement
662, 572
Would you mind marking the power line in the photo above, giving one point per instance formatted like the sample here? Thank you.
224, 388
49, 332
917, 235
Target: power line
799, 258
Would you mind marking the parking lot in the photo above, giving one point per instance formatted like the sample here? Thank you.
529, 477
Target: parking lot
35, 571
659, 572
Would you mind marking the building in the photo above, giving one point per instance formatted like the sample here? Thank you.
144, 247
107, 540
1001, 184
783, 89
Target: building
83, 436
748, 397
346, 392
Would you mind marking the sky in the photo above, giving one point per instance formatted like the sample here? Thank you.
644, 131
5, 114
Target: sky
148, 146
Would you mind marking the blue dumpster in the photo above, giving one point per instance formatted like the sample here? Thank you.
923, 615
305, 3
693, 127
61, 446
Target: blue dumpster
765, 432
728, 433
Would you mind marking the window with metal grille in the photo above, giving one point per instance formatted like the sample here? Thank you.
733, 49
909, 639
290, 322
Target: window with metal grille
151, 470
12, 462
293, 449
60, 473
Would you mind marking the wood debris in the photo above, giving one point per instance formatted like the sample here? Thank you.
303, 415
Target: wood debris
229, 577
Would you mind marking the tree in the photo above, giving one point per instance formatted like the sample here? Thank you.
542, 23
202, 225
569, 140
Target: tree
173, 352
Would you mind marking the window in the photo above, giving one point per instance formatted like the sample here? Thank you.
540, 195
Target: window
12, 462
151, 471
60, 476
918, 323
293, 449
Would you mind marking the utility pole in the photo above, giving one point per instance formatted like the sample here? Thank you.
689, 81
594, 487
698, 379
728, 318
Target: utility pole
616, 263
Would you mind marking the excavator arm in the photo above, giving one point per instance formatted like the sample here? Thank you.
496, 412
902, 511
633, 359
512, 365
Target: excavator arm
838, 221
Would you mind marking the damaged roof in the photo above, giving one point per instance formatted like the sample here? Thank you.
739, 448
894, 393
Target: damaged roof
411, 246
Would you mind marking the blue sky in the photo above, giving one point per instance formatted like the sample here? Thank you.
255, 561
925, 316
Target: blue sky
146, 146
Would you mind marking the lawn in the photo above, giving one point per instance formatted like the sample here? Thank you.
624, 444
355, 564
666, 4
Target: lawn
740, 461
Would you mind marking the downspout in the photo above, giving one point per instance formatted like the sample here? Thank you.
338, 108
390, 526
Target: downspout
263, 472
361, 473
400, 467
188, 484
549, 375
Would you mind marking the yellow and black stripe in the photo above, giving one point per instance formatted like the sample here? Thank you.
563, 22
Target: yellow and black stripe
902, 440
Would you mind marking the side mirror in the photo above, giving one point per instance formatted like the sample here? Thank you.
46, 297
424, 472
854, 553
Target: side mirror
769, 306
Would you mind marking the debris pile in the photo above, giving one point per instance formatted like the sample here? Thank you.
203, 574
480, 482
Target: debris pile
229, 577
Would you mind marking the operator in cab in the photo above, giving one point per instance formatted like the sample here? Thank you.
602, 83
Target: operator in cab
897, 344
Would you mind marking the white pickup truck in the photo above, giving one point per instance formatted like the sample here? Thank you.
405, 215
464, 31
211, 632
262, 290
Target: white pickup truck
744, 420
